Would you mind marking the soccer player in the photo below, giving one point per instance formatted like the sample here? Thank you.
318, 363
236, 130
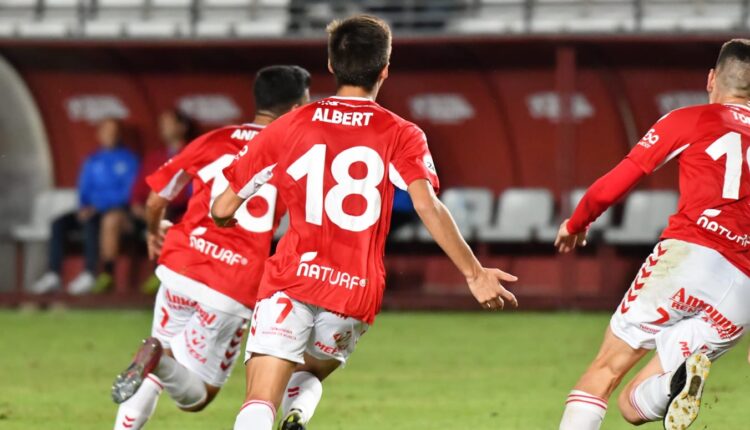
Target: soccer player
335, 163
209, 276
691, 298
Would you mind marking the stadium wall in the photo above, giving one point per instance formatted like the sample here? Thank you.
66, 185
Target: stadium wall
532, 112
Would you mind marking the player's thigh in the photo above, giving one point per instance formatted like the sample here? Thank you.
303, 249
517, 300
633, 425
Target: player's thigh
267, 378
334, 336
209, 344
281, 327
172, 311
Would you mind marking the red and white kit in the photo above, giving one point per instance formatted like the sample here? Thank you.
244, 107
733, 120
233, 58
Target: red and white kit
210, 275
693, 291
335, 163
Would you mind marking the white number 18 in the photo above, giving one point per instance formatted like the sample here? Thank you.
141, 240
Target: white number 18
312, 164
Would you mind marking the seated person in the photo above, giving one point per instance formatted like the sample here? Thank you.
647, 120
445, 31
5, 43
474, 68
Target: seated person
104, 186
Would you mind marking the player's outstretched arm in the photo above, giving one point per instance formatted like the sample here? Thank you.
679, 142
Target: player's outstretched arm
605, 192
224, 207
156, 225
485, 284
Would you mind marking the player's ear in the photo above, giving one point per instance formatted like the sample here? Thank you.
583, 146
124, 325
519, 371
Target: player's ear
711, 82
330, 67
384, 72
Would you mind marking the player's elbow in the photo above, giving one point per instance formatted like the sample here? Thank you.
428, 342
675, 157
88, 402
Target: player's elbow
427, 207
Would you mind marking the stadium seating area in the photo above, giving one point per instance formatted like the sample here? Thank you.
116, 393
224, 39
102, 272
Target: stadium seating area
275, 18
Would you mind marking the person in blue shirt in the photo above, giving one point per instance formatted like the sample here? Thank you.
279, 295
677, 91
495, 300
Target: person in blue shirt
104, 186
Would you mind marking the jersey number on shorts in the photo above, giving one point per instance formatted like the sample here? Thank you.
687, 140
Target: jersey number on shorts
312, 164
730, 145
245, 219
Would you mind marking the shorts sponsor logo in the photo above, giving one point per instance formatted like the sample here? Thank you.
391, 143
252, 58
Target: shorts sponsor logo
342, 340
178, 302
334, 277
688, 303
196, 342
713, 226
326, 349
211, 249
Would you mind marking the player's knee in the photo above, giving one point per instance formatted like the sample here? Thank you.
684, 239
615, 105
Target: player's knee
211, 393
627, 410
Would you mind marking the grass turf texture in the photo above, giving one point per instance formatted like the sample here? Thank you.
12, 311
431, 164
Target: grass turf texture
411, 371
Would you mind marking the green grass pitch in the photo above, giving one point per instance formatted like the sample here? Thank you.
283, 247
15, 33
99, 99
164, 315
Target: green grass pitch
411, 371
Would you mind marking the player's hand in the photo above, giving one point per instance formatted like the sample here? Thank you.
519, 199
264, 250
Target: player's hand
225, 223
154, 242
489, 291
566, 241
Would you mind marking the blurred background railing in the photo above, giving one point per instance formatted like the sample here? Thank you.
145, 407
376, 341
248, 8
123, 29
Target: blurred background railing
303, 18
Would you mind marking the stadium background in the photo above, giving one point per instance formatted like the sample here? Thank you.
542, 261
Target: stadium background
524, 102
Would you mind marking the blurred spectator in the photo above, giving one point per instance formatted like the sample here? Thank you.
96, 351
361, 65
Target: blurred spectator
177, 130
403, 210
104, 186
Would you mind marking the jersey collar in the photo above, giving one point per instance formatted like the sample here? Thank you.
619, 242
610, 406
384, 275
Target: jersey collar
362, 99
746, 107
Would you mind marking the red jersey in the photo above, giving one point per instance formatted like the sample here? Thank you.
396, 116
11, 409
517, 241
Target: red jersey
335, 163
711, 143
217, 266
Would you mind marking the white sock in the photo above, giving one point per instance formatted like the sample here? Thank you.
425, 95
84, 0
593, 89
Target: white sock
583, 412
651, 397
255, 415
303, 394
134, 412
183, 386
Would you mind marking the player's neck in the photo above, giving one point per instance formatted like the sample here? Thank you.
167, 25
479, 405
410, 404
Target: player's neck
264, 118
352, 91
735, 101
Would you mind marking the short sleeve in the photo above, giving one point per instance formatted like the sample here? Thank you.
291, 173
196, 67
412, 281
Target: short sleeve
171, 177
666, 140
253, 165
412, 160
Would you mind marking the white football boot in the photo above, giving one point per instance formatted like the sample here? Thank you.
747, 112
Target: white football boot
686, 392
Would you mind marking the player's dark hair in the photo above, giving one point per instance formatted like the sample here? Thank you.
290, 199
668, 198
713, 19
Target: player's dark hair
735, 49
733, 67
279, 88
359, 48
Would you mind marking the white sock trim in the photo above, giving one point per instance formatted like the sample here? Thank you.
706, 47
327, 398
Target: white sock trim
260, 402
577, 396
